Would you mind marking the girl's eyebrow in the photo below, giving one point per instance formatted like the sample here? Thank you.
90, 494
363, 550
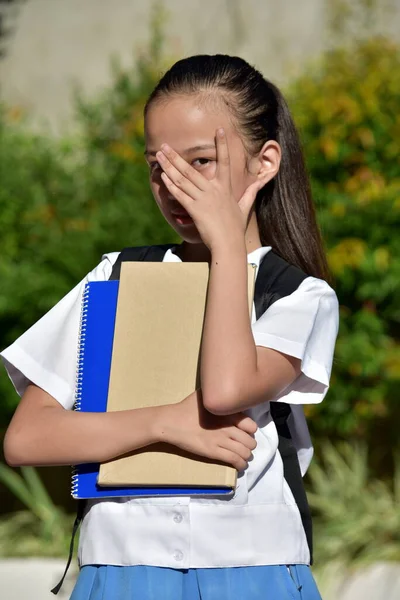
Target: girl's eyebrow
187, 151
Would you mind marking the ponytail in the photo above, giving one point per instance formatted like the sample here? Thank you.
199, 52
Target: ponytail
284, 207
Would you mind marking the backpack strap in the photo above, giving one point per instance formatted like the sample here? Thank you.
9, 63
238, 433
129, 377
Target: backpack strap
78, 519
277, 279
147, 253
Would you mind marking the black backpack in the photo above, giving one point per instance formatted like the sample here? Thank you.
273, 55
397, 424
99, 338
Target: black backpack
276, 278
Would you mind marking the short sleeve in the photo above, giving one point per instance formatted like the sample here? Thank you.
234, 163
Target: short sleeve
304, 325
46, 354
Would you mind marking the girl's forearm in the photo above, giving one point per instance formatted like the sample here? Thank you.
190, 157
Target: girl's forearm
63, 437
228, 355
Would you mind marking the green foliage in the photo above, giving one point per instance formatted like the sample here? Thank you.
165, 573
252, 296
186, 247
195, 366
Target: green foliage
347, 109
63, 203
357, 517
42, 529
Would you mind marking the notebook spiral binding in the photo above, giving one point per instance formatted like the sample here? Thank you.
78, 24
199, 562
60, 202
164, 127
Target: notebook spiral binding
79, 371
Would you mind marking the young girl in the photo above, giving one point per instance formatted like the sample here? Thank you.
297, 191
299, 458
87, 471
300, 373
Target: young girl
227, 173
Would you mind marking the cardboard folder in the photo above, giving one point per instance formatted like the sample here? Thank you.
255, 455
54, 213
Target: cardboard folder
155, 361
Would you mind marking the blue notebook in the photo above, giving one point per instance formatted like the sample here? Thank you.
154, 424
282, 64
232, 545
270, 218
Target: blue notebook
94, 363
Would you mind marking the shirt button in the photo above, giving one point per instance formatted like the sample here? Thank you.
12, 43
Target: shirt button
178, 555
178, 517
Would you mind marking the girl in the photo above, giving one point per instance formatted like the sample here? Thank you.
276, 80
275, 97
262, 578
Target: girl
227, 173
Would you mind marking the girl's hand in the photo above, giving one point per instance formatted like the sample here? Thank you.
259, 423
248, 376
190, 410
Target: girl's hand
188, 425
210, 203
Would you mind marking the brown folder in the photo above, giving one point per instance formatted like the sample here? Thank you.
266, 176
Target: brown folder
155, 361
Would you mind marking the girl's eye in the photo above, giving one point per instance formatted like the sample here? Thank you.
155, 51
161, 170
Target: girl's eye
154, 166
201, 162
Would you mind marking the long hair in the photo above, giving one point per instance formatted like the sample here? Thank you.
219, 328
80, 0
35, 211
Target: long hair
284, 207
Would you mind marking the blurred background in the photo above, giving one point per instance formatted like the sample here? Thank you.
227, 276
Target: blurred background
74, 75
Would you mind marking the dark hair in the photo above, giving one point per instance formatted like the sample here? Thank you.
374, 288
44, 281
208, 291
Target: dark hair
284, 207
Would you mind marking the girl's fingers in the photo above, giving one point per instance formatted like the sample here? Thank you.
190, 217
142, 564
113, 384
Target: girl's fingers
186, 170
244, 438
238, 448
232, 458
179, 180
245, 423
183, 199
223, 161
247, 200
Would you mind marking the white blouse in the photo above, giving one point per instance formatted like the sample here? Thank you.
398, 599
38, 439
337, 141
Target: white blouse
260, 524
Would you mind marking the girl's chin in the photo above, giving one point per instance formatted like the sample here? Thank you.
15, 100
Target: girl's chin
189, 235
186, 230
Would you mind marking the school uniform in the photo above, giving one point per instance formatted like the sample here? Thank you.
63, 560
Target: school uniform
196, 547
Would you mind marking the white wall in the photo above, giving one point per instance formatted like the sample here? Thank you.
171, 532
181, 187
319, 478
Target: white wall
57, 42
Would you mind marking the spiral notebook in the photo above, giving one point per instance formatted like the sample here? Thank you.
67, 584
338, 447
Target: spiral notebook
99, 307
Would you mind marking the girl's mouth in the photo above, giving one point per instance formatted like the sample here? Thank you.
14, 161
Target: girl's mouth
182, 218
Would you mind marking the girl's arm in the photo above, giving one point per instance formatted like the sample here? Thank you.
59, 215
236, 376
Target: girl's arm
43, 433
235, 373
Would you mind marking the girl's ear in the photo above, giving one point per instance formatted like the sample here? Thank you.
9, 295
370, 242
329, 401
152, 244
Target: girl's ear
265, 165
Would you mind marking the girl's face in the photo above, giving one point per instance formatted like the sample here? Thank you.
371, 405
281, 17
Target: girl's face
190, 129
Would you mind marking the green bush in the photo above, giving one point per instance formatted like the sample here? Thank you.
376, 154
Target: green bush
356, 517
347, 108
41, 529
63, 203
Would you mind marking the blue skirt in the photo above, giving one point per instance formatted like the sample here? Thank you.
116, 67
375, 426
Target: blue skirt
272, 582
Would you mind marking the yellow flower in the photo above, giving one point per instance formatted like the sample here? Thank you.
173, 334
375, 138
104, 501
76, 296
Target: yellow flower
77, 224
392, 362
123, 150
365, 136
309, 410
350, 252
382, 258
329, 147
135, 124
15, 114
338, 209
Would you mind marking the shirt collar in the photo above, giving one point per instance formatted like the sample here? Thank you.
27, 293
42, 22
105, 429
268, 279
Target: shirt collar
254, 257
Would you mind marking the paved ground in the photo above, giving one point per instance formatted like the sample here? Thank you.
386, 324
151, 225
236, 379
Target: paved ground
32, 579
378, 582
